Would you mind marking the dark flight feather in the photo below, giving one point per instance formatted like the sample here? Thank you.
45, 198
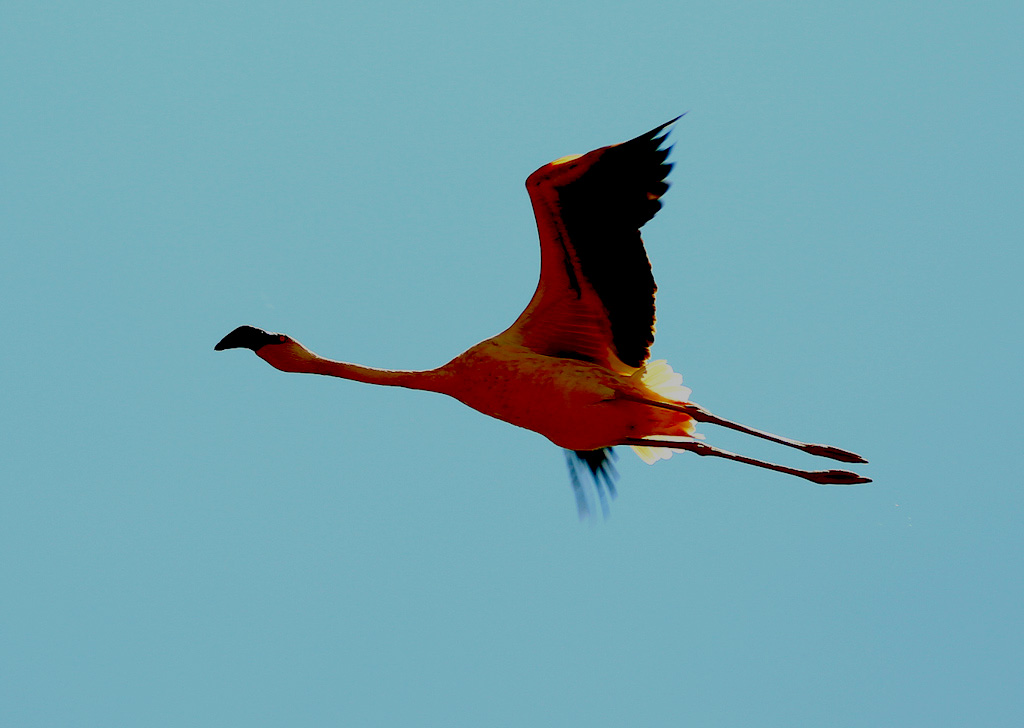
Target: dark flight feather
598, 465
603, 212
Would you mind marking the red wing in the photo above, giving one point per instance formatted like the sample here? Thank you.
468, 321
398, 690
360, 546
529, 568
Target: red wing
595, 298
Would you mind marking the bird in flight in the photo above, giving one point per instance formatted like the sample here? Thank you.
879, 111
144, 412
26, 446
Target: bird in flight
575, 366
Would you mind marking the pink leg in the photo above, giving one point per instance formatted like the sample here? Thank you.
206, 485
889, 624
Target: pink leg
821, 477
702, 415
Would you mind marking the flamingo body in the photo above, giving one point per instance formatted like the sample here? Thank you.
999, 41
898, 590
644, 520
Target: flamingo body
575, 404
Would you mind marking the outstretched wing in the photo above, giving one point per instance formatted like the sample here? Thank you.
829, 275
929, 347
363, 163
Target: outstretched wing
595, 298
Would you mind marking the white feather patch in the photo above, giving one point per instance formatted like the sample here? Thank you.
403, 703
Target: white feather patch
659, 377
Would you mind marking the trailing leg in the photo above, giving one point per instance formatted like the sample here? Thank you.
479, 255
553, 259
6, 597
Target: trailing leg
821, 477
700, 414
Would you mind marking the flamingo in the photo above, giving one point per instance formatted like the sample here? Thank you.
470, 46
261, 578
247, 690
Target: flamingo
575, 366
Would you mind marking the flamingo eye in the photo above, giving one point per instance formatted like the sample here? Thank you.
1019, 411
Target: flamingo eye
282, 338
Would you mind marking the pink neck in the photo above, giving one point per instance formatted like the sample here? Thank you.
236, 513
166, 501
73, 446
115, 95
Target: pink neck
296, 358
370, 375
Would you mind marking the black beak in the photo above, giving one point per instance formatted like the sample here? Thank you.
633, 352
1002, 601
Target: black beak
246, 337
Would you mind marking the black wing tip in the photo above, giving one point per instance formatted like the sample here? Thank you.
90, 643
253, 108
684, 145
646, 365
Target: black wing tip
657, 131
653, 138
653, 141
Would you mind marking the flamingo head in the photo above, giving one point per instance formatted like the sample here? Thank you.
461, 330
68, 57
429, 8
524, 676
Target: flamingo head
249, 337
279, 350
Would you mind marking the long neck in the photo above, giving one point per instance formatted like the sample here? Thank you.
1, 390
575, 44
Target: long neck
427, 380
294, 357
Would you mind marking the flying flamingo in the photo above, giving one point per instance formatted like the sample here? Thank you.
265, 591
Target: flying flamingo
575, 366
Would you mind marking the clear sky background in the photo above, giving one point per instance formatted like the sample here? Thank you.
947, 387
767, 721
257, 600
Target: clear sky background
190, 538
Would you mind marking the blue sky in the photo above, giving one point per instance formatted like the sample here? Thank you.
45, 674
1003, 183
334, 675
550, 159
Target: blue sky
192, 538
